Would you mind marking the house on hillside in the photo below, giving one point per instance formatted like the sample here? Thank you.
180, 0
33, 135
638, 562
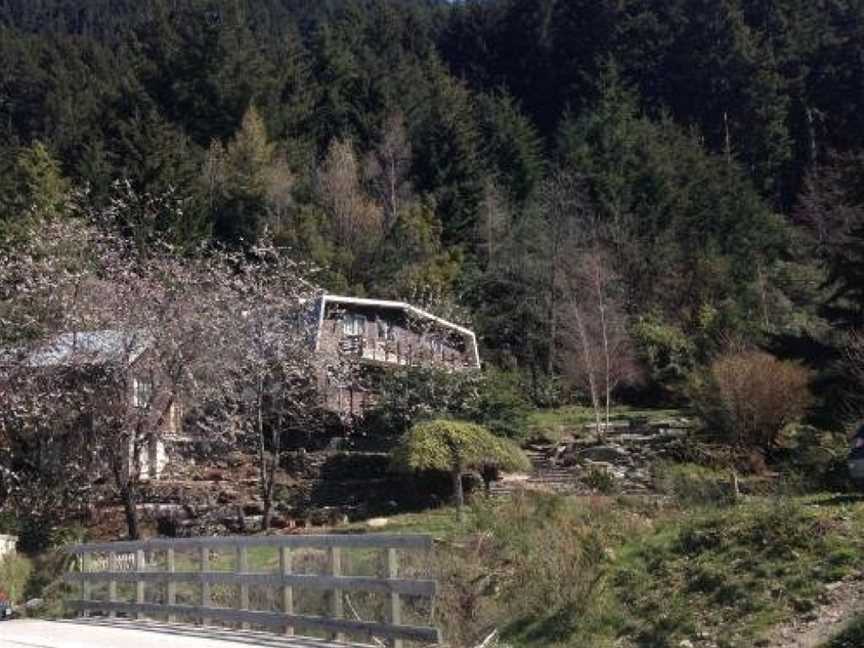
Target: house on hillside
380, 335
108, 374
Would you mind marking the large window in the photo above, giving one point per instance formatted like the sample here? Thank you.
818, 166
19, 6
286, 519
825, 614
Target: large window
353, 324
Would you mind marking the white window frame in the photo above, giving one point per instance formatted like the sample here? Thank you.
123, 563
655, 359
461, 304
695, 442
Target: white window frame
354, 325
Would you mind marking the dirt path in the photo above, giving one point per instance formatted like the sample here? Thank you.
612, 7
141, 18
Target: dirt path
842, 603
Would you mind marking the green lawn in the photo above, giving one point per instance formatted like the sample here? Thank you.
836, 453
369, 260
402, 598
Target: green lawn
559, 423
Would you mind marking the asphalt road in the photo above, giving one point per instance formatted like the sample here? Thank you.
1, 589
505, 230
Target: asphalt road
106, 633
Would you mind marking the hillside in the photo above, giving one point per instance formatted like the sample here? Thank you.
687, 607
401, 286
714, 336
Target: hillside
613, 256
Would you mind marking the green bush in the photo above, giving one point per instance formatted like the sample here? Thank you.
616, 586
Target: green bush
694, 485
493, 399
15, 571
600, 479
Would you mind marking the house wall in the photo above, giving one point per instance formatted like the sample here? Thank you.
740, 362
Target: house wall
390, 339
7, 545
415, 343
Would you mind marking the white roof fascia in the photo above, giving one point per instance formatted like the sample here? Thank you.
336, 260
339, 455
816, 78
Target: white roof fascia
358, 301
323, 301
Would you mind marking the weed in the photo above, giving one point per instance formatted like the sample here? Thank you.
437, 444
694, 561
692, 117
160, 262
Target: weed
600, 479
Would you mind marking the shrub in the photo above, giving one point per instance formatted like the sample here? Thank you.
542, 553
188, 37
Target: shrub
600, 479
14, 574
550, 558
455, 447
693, 485
666, 350
751, 396
494, 399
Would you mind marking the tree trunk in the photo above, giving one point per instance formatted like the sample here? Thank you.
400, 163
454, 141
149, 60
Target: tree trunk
458, 493
131, 514
268, 514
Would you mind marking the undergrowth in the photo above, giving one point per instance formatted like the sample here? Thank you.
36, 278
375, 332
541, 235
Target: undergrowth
555, 571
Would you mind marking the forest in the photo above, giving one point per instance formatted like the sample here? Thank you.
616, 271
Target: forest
650, 212
701, 160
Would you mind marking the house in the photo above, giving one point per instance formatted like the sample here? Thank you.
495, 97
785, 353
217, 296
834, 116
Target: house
85, 356
379, 335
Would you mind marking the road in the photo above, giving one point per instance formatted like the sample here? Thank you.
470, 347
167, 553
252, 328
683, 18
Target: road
108, 633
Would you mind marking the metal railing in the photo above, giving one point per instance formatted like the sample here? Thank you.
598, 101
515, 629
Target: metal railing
104, 563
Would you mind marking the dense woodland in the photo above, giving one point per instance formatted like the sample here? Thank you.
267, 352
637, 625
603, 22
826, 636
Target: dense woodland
688, 171
648, 210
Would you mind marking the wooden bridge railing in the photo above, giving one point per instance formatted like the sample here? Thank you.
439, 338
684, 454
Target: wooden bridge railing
116, 557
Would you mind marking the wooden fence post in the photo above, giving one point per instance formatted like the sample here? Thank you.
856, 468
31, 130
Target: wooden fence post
85, 584
205, 586
336, 603
139, 584
395, 599
242, 568
112, 584
286, 568
172, 584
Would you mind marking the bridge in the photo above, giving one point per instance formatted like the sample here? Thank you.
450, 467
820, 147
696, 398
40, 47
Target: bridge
309, 591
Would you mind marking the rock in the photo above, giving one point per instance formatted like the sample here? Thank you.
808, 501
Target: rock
377, 523
607, 453
685, 643
34, 604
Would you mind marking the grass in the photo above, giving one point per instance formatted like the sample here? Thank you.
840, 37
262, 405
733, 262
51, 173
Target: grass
15, 572
852, 637
742, 569
553, 571
556, 424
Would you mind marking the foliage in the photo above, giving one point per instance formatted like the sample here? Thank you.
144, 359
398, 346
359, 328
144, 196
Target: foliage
492, 399
851, 637
693, 485
15, 571
749, 397
600, 479
405, 148
663, 571
677, 582
455, 447
445, 445
666, 350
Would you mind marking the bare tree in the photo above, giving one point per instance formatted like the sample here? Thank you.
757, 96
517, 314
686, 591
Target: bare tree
118, 331
270, 386
356, 220
493, 227
386, 169
587, 326
595, 348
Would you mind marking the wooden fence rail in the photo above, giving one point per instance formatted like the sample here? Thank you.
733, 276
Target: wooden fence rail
93, 570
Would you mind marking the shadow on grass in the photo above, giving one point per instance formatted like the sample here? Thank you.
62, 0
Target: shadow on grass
852, 637
840, 500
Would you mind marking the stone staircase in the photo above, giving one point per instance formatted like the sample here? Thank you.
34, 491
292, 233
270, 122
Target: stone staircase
545, 476
626, 454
